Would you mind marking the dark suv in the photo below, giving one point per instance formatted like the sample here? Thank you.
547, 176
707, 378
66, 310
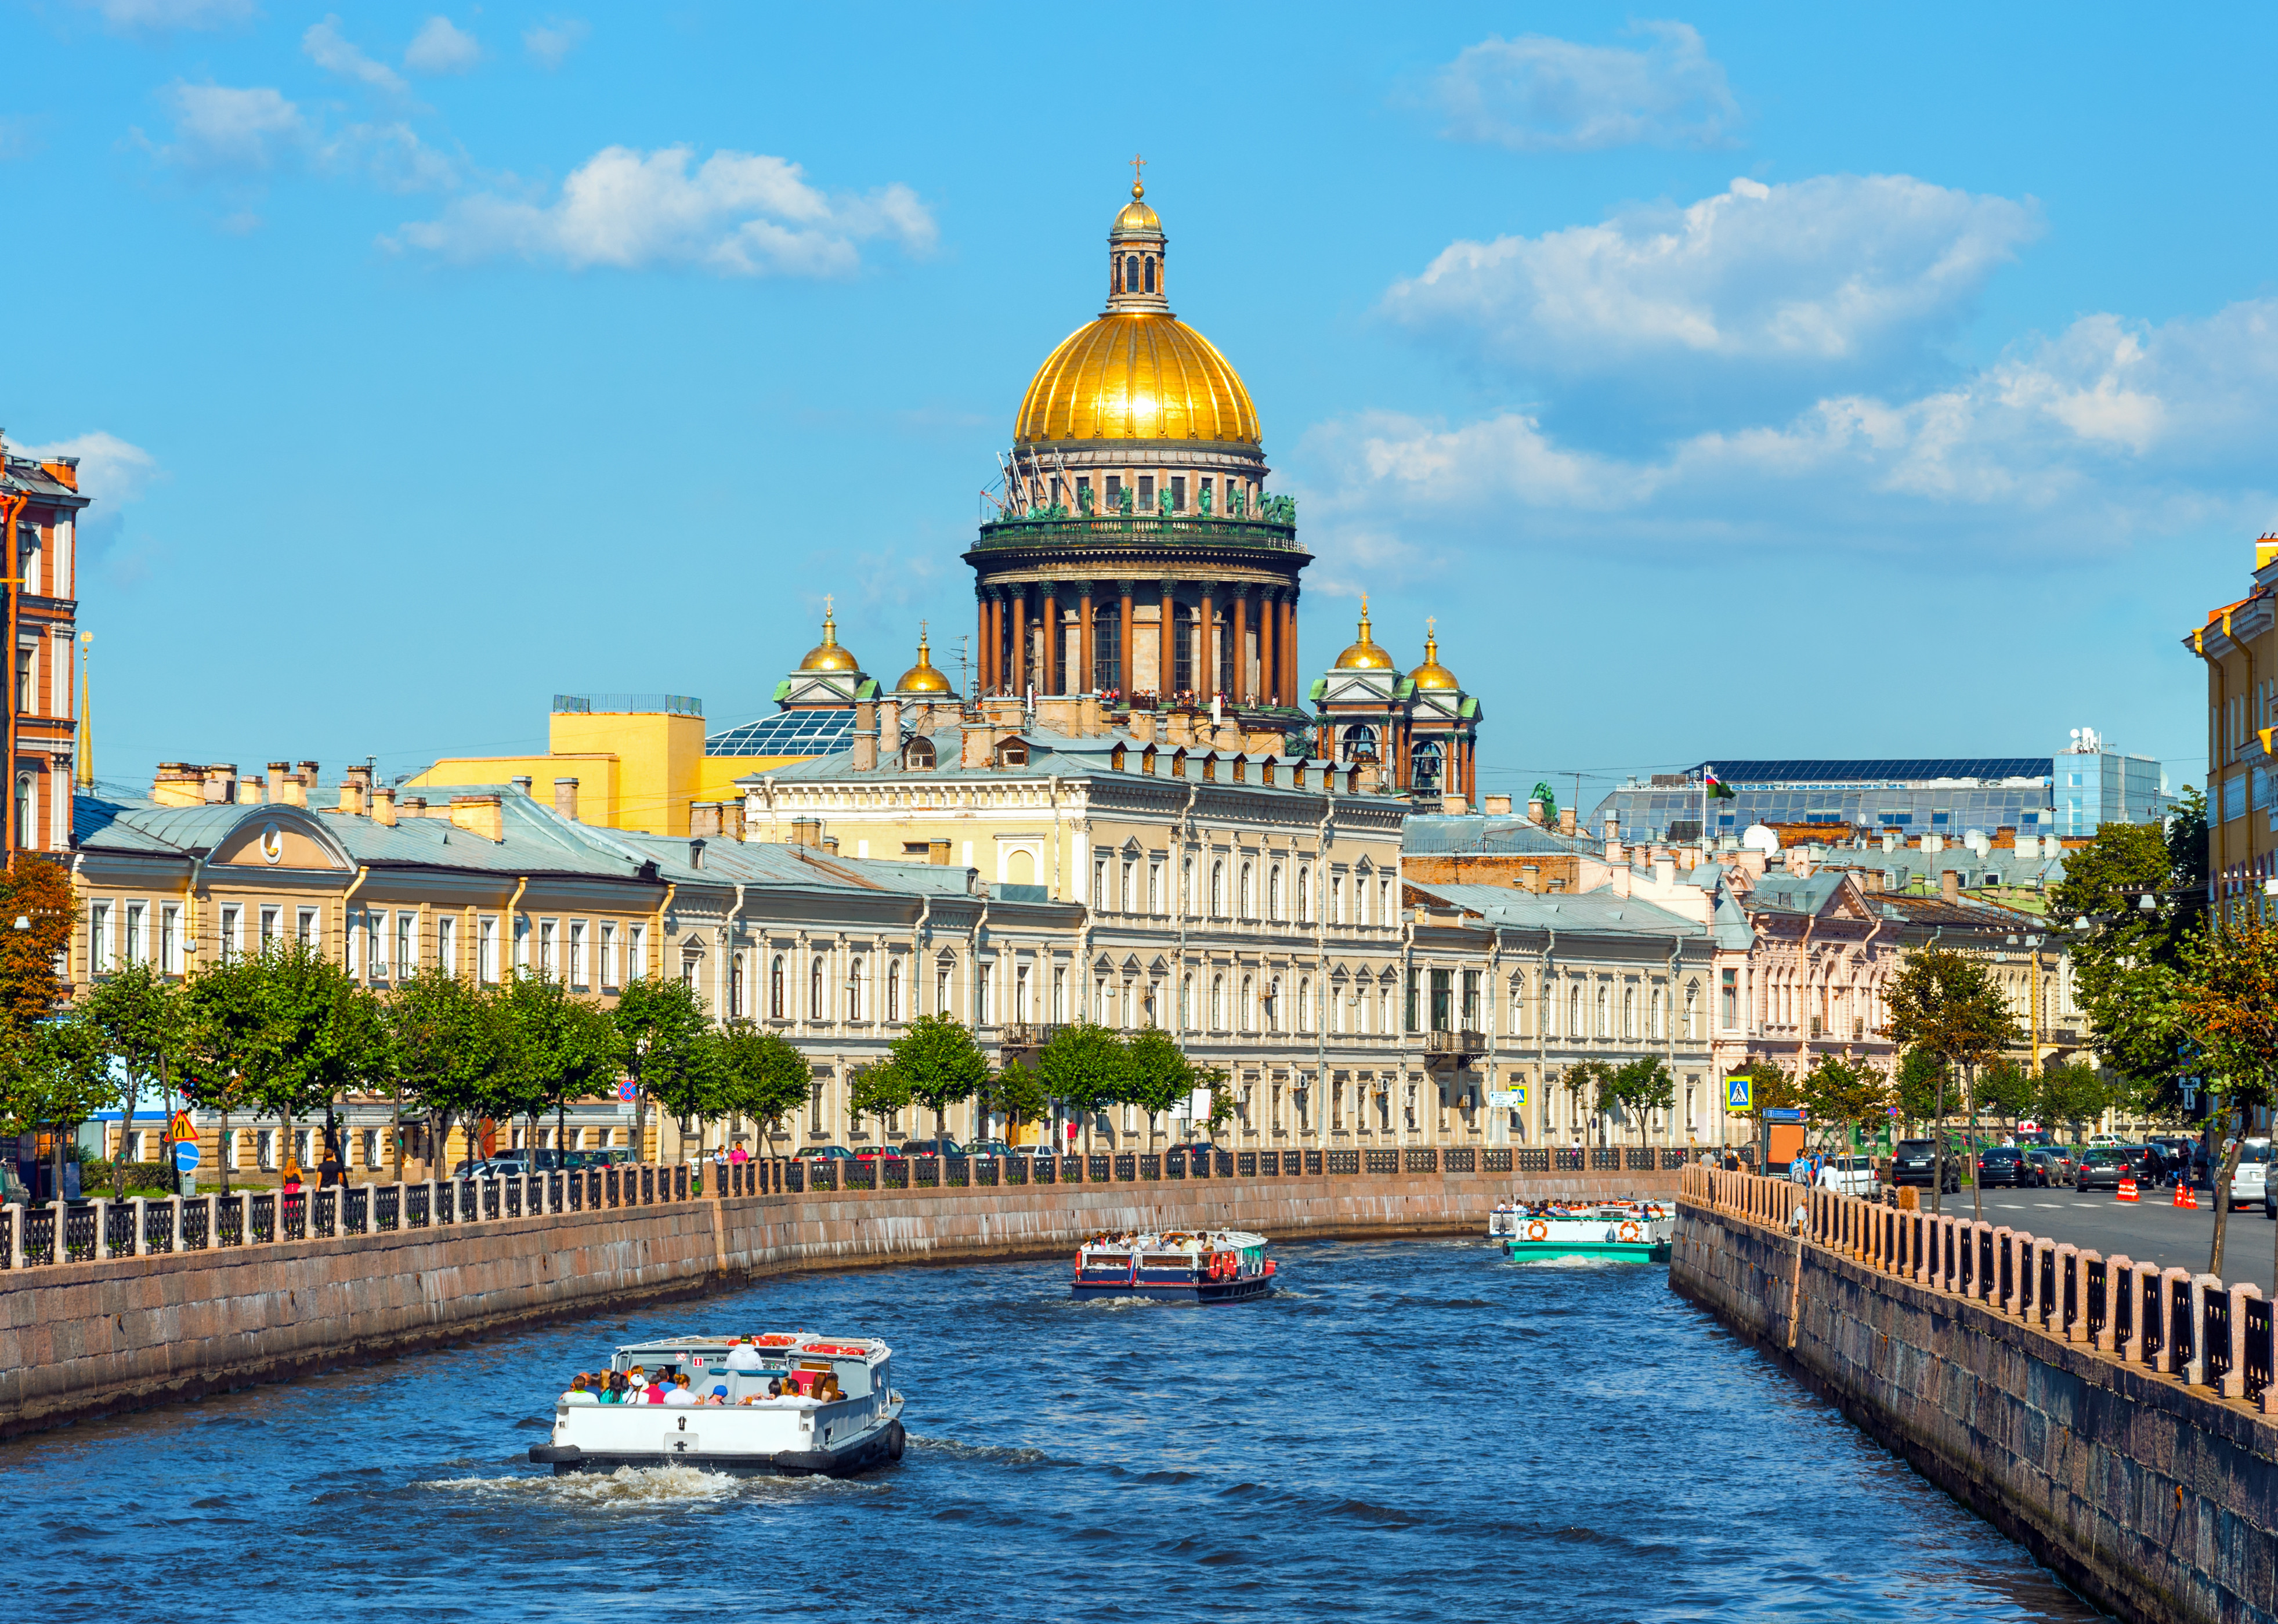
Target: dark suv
2103, 1166
2005, 1164
1914, 1162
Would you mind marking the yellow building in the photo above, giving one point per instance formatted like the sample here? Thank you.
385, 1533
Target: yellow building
2239, 643
643, 761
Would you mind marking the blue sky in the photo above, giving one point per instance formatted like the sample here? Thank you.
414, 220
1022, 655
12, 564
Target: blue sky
1741, 382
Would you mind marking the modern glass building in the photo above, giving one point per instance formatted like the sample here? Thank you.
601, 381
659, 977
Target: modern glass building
2069, 794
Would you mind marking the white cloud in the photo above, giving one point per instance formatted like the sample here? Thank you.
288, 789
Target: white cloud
331, 51
1539, 94
736, 213
1804, 277
167, 16
440, 48
110, 470
2109, 434
223, 126
551, 42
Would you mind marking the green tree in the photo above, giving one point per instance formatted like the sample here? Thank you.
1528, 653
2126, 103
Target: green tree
450, 1044
140, 1014
2072, 1093
1587, 1083
2230, 995
877, 1091
662, 1021
1949, 1005
1922, 1078
1844, 1096
1087, 1067
1019, 1093
58, 1074
562, 1047
222, 1016
763, 1075
2006, 1090
1160, 1075
1640, 1086
939, 1063
37, 916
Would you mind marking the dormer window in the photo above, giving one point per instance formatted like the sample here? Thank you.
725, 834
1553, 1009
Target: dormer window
918, 756
1147, 761
1013, 752
1115, 757
1210, 769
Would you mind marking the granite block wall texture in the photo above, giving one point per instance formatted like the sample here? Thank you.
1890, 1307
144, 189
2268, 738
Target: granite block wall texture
79, 1339
2156, 1501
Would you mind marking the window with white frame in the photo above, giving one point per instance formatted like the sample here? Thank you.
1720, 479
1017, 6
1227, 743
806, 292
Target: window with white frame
486, 947
1218, 1004
1248, 892
549, 950
406, 943
894, 990
1336, 899
1130, 896
609, 956
636, 952
98, 938
580, 971
1155, 886
138, 945
1273, 892
304, 928
943, 972
1304, 896
446, 943
1384, 902
1099, 884
232, 931
521, 960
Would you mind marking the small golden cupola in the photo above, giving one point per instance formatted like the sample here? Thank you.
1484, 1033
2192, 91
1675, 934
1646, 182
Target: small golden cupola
1366, 654
922, 678
1431, 674
827, 655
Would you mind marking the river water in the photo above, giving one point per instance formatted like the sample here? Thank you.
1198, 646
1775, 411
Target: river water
1407, 1430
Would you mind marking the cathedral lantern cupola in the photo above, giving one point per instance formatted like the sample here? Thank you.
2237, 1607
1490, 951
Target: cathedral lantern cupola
1422, 727
1135, 246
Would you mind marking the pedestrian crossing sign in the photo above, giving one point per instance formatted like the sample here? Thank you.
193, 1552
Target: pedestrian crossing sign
1737, 1094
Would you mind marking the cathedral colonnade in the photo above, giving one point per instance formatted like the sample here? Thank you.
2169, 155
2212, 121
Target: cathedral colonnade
1233, 637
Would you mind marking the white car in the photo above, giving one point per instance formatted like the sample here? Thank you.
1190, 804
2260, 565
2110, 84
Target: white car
1848, 1176
2249, 1186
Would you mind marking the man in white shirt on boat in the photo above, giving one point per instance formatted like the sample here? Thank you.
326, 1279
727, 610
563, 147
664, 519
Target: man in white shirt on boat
744, 1357
679, 1392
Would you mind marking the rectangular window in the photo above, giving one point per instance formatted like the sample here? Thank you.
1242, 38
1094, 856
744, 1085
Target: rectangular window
486, 950
1114, 490
305, 927
446, 943
1470, 1000
170, 940
1177, 493
1411, 1011
548, 951
138, 948
406, 937
521, 942
1146, 493
1442, 996
609, 956
636, 952
577, 973
1155, 887
1084, 493
1099, 885
1729, 999
24, 678
98, 938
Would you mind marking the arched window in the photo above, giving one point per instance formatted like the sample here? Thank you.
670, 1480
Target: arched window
24, 841
1218, 890
1657, 1014
1218, 1004
1628, 1011
1248, 1003
775, 988
1273, 892
1248, 893
1605, 1014
814, 993
1186, 1003
1691, 996
854, 990
736, 985
1424, 764
1360, 743
1305, 1003
894, 990
1150, 273
1131, 273
918, 756
1574, 1026
1304, 896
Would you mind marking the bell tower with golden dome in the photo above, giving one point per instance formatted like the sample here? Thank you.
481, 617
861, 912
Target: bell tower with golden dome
1422, 729
1134, 551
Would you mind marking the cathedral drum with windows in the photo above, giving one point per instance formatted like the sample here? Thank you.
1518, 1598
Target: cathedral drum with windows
1135, 552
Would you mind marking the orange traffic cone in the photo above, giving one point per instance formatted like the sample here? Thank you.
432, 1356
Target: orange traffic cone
2183, 1196
2126, 1190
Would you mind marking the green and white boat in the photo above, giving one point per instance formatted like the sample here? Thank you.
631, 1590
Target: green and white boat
1615, 1231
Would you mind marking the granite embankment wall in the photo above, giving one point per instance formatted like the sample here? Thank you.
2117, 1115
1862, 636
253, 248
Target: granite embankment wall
79, 1339
2156, 1499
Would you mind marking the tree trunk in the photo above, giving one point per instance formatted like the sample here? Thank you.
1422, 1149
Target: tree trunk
1937, 1144
561, 1134
125, 1123
2228, 1166
1976, 1191
222, 1149
396, 1128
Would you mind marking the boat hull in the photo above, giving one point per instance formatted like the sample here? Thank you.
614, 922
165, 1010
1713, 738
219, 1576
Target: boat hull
882, 1446
1614, 1251
1194, 1291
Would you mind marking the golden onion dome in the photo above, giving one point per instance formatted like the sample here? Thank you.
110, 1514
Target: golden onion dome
1137, 375
1136, 215
921, 678
1431, 674
827, 655
1367, 654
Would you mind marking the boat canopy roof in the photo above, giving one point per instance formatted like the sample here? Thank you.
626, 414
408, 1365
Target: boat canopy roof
771, 1343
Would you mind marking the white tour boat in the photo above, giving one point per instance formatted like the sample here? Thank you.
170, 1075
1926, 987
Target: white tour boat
1175, 1266
838, 1411
1621, 1231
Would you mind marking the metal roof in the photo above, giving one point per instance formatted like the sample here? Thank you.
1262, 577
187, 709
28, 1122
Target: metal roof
787, 733
1892, 770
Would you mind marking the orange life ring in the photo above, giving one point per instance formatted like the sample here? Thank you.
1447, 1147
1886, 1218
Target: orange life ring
1538, 1230
776, 1338
1631, 1232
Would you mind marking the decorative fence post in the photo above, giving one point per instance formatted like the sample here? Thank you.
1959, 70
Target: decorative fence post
2178, 1357
178, 1224
2072, 1286
2003, 1282
16, 1235
142, 1209
2234, 1379
2195, 1369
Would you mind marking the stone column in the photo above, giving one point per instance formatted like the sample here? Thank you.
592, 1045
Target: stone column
2125, 1275
1238, 689
1206, 667
1285, 645
2234, 1381
1993, 1294
178, 1224
102, 1206
2070, 1318
1127, 662
16, 1235
1087, 678
2171, 1360
983, 645
1269, 676
213, 1221
1048, 680
2116, 1272
2047, 1305
1019, 671
1166, 654
142, 1205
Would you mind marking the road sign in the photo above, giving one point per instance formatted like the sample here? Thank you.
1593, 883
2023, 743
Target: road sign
2029, 1127
180, 1129
1739, 1095
1505, 1099
627, 1092
186, 1154
1783, 1113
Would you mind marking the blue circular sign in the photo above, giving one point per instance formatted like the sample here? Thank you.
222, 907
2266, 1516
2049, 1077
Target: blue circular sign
627, 1092
186, 1155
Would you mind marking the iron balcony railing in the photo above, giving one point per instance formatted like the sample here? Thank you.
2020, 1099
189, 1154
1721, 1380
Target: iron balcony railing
1116, 529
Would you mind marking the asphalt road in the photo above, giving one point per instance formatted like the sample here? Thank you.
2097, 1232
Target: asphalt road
2148, 1230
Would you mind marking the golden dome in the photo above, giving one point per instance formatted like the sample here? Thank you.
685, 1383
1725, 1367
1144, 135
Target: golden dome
1367, 654
1136, 215
827, 655
1137, 375
921, 678
1431, 674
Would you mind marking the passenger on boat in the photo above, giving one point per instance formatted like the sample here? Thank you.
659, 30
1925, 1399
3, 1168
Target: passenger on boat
679, 1392
577, 1393
744, 1357
612, 1389
717, 1397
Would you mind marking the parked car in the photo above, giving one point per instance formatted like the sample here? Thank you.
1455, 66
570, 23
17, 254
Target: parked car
877, 1153
932, 1148
1848, 1175
2095, 1139
2005, 1164
2103, 1166
2050, 1168
826, 1153
2250, 1181
1914, 1162
989, 1148
493, 1167
2064, 1162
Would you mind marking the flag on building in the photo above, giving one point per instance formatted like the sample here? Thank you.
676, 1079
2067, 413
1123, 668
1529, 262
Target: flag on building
1719, 789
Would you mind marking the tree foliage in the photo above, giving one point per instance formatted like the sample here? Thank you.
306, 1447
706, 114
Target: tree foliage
38, 892
1640, 1086
1087, 1066
939, 1063
2228, 991
451, 1047
762, 1075
662, 1021
1845, 1096
140, 1015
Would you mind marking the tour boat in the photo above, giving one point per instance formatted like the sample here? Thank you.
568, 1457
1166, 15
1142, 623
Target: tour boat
1176, 1266
846, 1416
1623, 1231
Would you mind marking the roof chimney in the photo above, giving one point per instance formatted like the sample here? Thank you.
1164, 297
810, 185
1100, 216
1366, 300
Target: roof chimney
1949, 884
889, 731
478, 814
979, 747
1495, 806
806, 831
703, 824
565, 798
383, 805
221, 783
865, 752
522, 783
1566, 824
178, 783
938, 853
1535, 813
